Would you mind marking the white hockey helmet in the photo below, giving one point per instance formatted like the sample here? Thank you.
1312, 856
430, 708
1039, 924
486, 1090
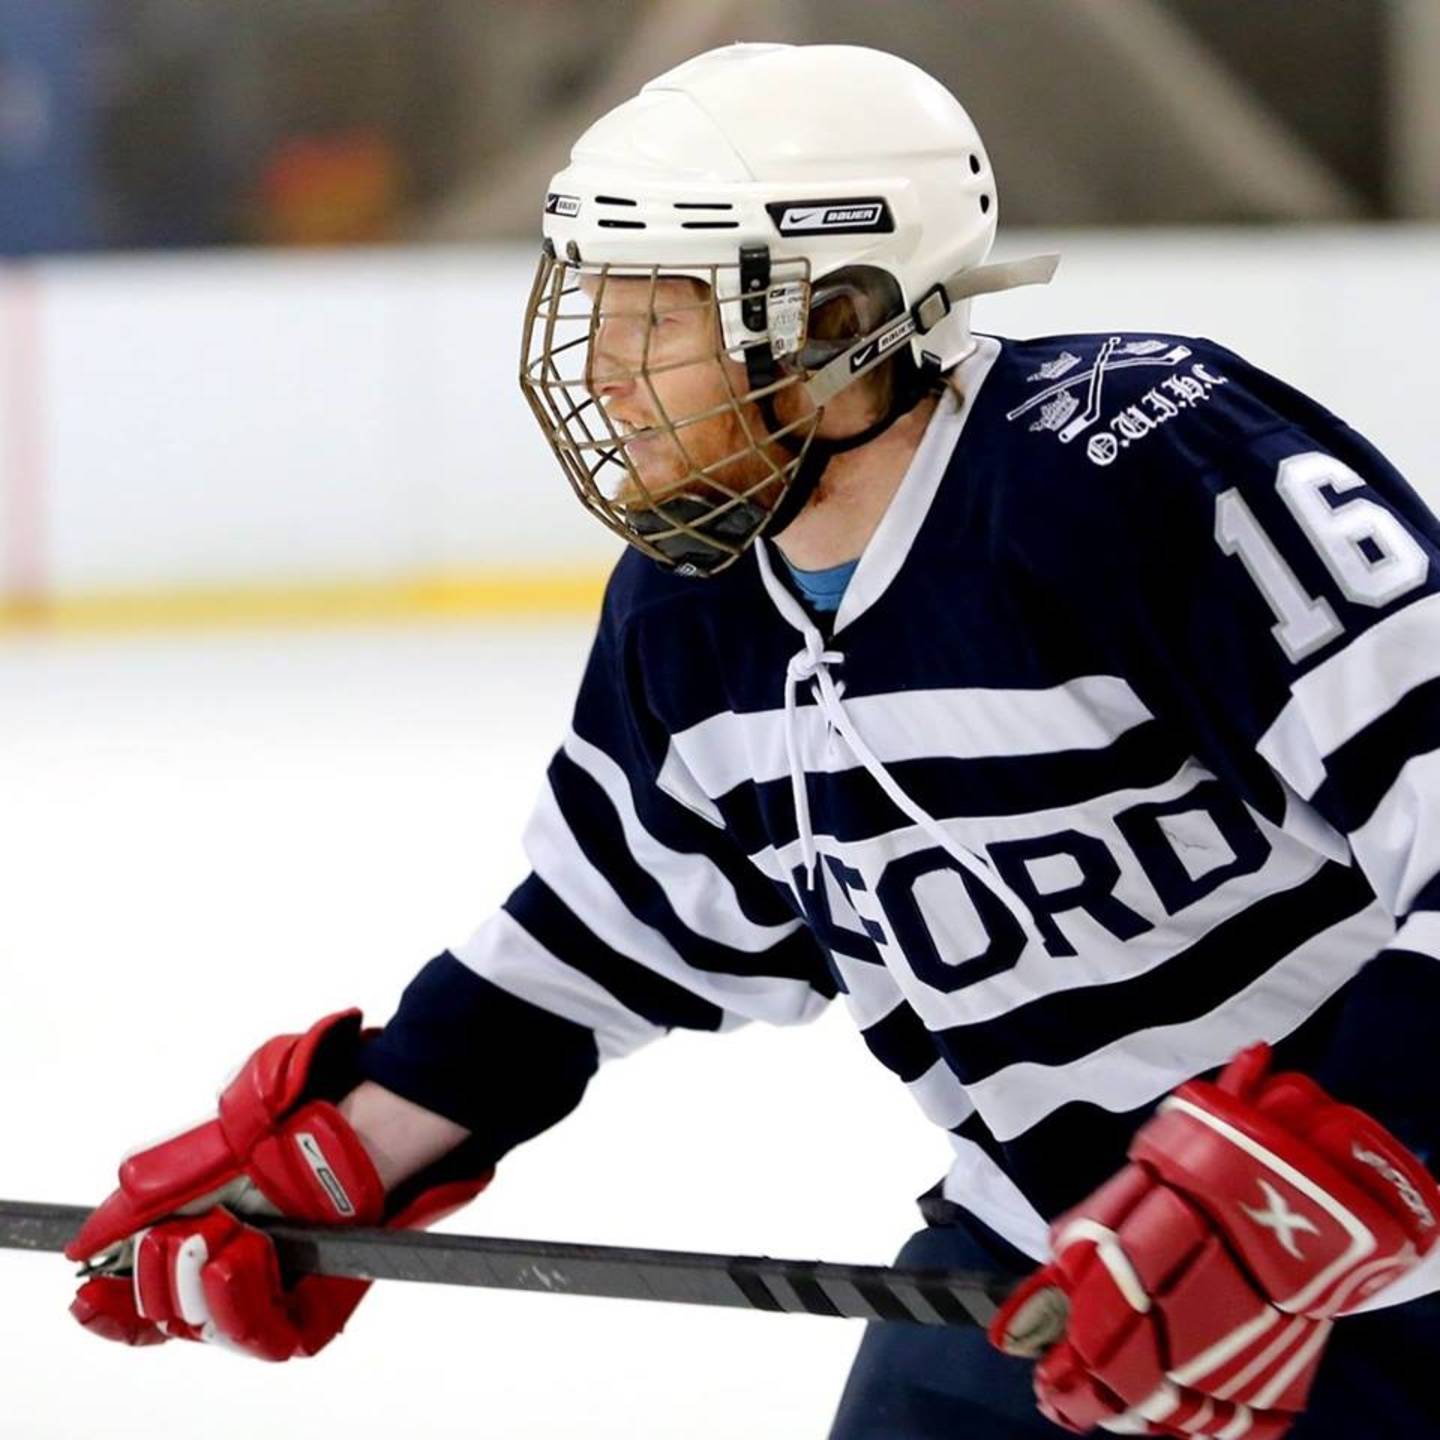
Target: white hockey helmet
760, 170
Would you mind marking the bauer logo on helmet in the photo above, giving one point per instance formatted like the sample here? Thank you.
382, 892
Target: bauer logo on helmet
839, 217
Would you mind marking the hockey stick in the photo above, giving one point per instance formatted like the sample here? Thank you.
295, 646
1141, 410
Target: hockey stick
1091, 413
861, 1292
1169, 360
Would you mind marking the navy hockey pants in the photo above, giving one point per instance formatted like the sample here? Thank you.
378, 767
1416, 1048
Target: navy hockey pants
1380, 1379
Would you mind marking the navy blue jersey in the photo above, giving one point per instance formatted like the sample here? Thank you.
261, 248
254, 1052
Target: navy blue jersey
1119, 754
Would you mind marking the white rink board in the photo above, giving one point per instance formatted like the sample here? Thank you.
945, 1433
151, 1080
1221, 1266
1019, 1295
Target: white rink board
260, 418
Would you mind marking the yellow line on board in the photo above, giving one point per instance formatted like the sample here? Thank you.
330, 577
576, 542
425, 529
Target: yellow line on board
519, 595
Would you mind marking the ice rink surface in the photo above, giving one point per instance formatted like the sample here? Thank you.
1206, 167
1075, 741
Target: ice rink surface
211, 838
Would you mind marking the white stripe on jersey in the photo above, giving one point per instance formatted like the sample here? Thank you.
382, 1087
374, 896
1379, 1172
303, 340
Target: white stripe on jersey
976, 1183
941, 1096
975, 723
503, 952
1399, 845
1420, 932
870, 990
558, 860
699, 892
676, 781
1336, 700
1142, 1066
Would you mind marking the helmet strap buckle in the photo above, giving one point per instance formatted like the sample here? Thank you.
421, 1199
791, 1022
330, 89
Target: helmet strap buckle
931, 308
760, 367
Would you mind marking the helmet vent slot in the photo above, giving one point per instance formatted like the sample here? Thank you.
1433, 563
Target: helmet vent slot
621, 224
709, 224
975, 164
984, 206
703, 205
614, 200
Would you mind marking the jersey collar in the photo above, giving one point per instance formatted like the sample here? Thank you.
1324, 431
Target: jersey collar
882, 558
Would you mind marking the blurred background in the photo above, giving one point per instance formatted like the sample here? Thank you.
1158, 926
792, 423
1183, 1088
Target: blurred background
267, 258
182, 123
293, 598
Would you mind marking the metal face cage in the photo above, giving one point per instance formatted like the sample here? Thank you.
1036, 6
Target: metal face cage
660, 390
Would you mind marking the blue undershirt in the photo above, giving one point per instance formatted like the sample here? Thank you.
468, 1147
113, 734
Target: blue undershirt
823, 590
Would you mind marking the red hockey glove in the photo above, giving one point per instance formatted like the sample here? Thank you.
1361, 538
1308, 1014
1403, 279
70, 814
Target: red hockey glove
273, 1149
1195, 1291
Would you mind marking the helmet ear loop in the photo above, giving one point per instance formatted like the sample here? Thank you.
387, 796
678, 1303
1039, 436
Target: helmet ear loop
816, 353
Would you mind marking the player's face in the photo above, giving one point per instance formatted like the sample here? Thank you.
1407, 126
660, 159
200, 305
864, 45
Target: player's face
658, 367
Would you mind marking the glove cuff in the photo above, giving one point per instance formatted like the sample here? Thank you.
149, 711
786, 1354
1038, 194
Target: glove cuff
321, 1063
438, 1202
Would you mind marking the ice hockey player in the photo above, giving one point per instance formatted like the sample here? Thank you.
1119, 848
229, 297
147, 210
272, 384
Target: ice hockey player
1070, 706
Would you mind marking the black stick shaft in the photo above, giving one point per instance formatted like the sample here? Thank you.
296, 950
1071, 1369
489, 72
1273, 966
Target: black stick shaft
864, 1292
